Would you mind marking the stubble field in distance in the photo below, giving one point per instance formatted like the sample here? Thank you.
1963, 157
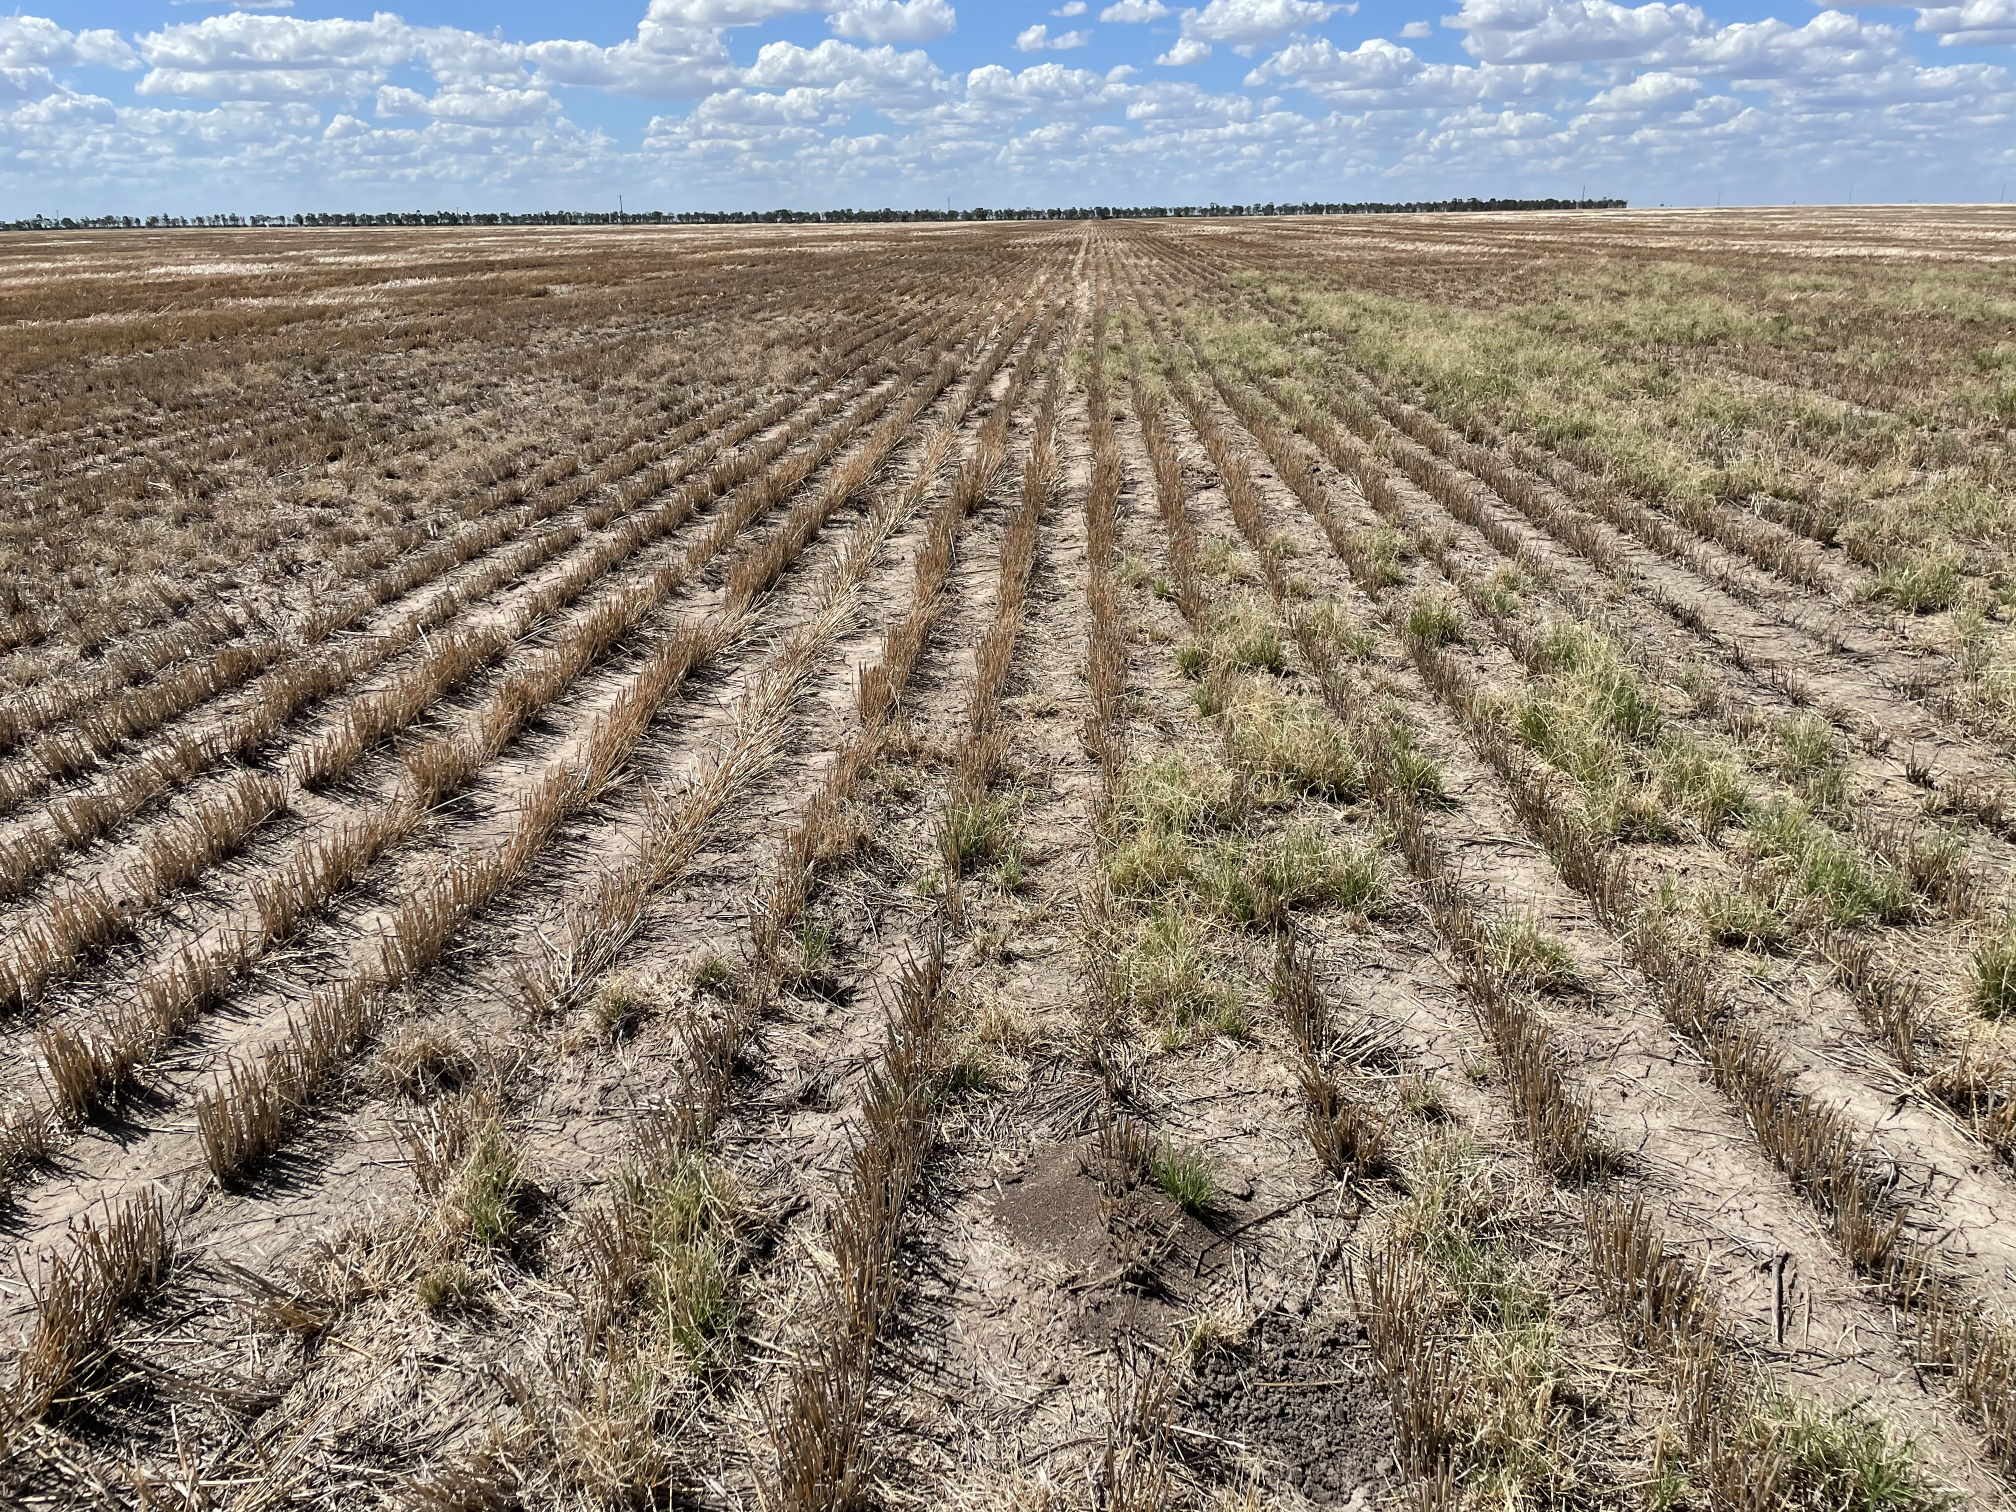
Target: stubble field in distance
1227, 864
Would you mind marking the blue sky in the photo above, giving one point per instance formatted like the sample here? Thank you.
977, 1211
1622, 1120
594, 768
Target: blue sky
187, 107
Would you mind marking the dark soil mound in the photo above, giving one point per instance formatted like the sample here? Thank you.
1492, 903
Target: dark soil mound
1306, 1405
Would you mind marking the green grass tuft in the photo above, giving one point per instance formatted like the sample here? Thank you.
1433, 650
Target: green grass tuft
1292, 742
1994, 973
1918, 585
1849, 889
1433, 620
1530, 956
1185, 1175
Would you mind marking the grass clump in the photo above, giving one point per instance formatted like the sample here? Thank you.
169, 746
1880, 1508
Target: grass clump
1993, 972
1210, 1335
423, 1061
663, 1252
1434, 620
818, 947
1455, 1218
1330, 627
1186, 1176
1260, 882
1502, 590
1806, 745
1523, 1428
1221, 557
1809, 757
1847, 888
1241, 636
1291, 743
1918, 584
978, 830
486, 1206
450, 1287
1421, 1097
1163, 974
1745, 917
617, 1008
1707, 791
1819, 1459
712, 975
1590, 714
1531, 957
1593, 678
1385, 549
1409, 768
1162, 809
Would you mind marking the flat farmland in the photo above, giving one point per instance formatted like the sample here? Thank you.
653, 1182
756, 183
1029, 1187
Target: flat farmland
1243, 864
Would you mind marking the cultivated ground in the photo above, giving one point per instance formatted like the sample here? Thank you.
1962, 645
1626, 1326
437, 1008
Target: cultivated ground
1342, 863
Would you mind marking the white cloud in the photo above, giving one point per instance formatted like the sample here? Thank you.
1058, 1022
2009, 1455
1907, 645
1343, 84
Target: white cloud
726, 12
242, 56
1648, 92
1976, 23
1071, 8
1561, 31
1242, 23
1414, 31
1187, 50
1134, 10
37, 42
64, 110
1037, 38
894, 20
792, 108
667, 59
470, 104
882, 78
1374, 64
1046, 87
26, 84
1382, 75
278, 42
1187, 105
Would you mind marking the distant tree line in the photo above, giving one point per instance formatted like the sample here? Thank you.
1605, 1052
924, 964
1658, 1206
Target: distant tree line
780, 217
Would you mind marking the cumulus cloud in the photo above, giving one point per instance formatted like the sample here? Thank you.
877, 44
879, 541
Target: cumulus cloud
1560, 31
1037, 38
1414, 31
1372, 64
1243, 23
1647, 92
267, 43
1134, 10
667, 59
243, 56
37, 42
884, 78
470, 104
1070, 8
894, 20
1977, 23
1833, 43
1378, 75
1044, 87
1188, 105
1187, 50
727, 12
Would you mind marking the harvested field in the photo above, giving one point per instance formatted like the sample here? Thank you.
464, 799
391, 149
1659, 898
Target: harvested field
1242, 865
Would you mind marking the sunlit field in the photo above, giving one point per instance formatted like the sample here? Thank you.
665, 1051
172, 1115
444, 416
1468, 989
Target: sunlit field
1326, 862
